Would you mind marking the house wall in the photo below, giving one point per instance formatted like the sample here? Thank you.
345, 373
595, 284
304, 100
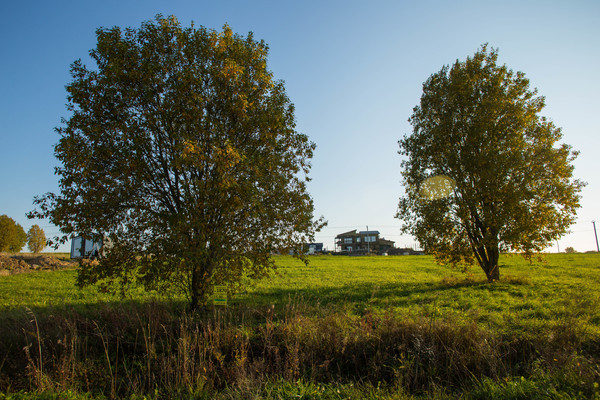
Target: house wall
362, 241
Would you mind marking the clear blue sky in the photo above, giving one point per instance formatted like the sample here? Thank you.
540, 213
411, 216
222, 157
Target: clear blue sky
354, 70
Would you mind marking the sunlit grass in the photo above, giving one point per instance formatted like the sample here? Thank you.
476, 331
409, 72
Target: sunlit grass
54, 289
560, 289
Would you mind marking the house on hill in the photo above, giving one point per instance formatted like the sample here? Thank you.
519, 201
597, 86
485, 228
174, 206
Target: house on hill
363, 242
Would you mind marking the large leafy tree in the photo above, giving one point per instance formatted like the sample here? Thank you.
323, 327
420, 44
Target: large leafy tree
182, 153
12, 235
507, 183
36, 239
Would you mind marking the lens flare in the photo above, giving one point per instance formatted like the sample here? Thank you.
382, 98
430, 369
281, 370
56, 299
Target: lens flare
437, 187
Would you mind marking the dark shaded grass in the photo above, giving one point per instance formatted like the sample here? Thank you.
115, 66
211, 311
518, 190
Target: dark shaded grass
156, 349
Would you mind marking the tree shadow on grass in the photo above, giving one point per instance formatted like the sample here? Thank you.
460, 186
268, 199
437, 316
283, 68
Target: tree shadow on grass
20, 326
250, 307
399, 295
350, 295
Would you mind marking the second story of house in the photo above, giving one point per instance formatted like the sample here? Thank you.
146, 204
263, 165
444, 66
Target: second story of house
353, 241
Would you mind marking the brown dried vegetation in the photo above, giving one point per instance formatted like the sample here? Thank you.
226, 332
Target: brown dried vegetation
11, 264
140, 349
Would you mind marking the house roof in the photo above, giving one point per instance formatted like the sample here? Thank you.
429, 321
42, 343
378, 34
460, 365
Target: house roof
353, 232
369, 232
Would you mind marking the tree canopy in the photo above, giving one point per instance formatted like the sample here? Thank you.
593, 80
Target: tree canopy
181, 152
478, 125
36, 239
12, 235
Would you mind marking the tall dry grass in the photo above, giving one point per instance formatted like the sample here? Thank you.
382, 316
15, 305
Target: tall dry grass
154, 349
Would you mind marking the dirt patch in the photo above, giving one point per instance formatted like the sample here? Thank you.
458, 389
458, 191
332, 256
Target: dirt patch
11, 264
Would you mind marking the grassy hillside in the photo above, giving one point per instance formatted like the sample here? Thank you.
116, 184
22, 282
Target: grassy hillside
553, 291
341, 327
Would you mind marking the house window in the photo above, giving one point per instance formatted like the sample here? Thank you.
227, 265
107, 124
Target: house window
370, 239
347, 240
358, 240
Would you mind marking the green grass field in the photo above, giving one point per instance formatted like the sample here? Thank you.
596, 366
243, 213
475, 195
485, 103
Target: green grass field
562, 288
537, 330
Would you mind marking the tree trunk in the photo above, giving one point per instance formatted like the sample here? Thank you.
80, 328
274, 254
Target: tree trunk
492, 269
196, 278
493, 273
200, 285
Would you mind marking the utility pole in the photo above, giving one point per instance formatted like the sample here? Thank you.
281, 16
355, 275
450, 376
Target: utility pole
595, 234
369, 243
558, 246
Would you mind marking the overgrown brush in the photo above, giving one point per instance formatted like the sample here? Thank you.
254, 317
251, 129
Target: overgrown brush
155, 350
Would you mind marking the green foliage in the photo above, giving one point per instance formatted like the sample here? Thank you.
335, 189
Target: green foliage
478, 124
36, 239
181, 151
12, 235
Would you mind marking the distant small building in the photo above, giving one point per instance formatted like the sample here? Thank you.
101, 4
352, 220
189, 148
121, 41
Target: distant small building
306, 248
313, 248
405, 252
363, 242
85, 248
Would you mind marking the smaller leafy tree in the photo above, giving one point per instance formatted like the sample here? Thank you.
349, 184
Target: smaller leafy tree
36, 239
570, 250
484, 172
12, 235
